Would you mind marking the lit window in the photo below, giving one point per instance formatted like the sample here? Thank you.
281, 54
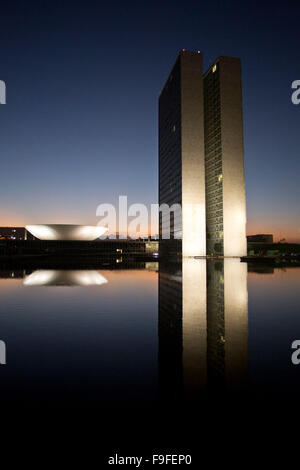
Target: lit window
220, 177
214, 68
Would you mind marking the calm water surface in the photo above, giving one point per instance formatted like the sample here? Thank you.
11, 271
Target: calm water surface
136, 336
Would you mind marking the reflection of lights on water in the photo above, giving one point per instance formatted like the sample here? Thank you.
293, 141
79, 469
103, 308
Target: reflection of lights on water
39, 278
72, 277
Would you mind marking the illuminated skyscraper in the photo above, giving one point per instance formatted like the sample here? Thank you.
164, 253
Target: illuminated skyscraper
224, 159
201, 158
181, 156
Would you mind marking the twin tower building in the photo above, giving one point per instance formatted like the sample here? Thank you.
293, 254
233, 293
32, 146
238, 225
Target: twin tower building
201, 159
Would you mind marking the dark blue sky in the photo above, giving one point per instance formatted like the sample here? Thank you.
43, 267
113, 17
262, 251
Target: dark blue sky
83, 79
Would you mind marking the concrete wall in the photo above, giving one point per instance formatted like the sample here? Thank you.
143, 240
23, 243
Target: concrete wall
234, 200
192, 154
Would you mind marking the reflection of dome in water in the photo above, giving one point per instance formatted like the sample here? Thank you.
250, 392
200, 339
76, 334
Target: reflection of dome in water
66, 232
69, 277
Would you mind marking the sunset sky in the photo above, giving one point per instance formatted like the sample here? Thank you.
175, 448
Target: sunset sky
83, 79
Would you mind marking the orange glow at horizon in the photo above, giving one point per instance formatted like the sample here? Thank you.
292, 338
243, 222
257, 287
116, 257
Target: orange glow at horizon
280, 230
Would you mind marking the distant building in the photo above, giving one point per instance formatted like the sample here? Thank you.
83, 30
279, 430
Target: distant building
13, 233
201, 158
73, 248
260, 238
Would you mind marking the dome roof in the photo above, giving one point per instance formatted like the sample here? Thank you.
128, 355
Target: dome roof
66, 232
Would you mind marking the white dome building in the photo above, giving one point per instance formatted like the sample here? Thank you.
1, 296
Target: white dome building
66, 232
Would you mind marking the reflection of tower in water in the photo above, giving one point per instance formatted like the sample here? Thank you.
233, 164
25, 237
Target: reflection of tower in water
215, 324
170, 331
203, 327
236, 323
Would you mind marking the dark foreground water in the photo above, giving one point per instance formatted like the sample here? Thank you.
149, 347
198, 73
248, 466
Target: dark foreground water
144, 335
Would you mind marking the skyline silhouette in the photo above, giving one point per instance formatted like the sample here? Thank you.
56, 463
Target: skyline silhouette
79, 127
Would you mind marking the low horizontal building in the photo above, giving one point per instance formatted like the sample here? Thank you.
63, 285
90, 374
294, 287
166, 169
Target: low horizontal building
260, 238
107, 247
13, 233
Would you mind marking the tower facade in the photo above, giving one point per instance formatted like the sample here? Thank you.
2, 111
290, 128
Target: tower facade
201, 158
181, 157
224, 159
